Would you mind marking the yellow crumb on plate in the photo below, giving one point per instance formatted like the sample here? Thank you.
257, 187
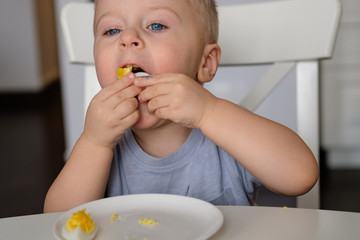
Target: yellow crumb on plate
148, 221
113, 217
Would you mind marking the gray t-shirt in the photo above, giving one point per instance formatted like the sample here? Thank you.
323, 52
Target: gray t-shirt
199, 169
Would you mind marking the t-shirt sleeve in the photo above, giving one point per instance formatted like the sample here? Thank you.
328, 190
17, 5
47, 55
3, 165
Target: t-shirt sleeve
240, 178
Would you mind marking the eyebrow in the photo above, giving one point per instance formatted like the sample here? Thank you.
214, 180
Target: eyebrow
96, 24
154, 8
167, 9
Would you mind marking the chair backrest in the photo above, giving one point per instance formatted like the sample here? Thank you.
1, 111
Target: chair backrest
278, 31
286, 30
270, 32
287, 33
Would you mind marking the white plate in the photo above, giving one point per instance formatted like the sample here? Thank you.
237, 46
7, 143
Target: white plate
179, 217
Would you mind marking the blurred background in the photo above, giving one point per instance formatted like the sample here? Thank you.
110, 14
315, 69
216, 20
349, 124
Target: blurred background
41, 107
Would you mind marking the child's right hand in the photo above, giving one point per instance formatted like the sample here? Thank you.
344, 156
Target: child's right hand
111, 112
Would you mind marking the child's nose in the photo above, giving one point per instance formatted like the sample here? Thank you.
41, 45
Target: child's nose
130, 38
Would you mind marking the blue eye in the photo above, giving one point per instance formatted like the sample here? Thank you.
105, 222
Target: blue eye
156, 27
112, 32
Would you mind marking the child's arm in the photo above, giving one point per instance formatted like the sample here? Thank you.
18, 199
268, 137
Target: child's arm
273, 153
270, 151
83, 178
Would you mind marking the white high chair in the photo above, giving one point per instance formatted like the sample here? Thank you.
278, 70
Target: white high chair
288, 33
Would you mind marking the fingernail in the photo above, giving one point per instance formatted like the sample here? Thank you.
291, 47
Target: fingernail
132, 75
143, 75
147, 77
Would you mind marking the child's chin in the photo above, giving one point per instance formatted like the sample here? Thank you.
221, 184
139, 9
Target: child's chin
146, 120
144, 123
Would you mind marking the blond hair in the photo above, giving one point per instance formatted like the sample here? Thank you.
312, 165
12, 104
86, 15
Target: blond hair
206, 14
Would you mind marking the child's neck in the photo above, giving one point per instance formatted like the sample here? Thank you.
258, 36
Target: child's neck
163, 141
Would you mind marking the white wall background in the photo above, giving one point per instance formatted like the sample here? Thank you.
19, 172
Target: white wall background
19, 55
340, 93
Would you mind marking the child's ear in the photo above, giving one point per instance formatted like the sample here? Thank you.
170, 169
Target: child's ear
209, 63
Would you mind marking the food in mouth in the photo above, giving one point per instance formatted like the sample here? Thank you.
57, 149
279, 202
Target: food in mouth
120, 72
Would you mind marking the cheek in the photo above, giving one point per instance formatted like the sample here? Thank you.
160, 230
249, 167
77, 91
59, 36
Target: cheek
105, 75
177, 60
104, 65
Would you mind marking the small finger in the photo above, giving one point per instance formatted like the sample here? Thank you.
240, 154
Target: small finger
144, 81
153, 91
158, 102
126, 107
123, 95
119, 84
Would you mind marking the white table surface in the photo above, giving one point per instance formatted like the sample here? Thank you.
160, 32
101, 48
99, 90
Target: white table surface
244, 223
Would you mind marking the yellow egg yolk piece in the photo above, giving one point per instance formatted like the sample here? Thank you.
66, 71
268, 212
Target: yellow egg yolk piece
120, 72
147, 221
82, 220
113, 217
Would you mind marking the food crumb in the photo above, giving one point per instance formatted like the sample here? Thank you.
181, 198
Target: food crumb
147, 221
113, 217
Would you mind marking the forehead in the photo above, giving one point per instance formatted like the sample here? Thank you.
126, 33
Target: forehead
181, 7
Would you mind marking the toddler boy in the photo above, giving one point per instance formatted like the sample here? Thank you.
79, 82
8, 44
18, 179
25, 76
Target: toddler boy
166, 133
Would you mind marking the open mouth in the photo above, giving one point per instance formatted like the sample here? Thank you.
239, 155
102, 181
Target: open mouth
131, 68
135, 69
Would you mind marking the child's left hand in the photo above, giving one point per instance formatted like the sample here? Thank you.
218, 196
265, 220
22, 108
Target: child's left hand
176, 97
